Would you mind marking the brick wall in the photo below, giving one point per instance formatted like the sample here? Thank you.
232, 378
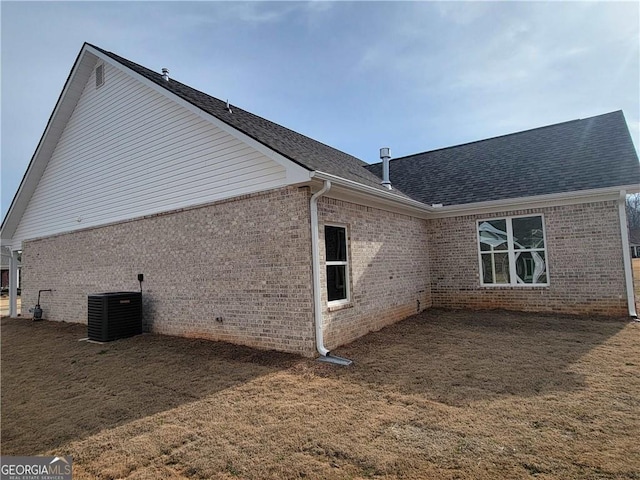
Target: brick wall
585, 263
246, 260
389, 269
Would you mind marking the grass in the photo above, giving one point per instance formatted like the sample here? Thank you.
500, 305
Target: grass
440, 395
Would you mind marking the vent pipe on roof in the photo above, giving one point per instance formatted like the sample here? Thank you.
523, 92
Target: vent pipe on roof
385, 155
165, 74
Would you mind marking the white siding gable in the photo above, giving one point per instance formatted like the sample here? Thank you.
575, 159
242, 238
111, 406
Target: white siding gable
129, 151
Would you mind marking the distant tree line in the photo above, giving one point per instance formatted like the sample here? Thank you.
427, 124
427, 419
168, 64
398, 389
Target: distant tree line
633, 211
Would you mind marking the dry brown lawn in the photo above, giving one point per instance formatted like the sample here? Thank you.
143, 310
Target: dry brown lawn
440, 395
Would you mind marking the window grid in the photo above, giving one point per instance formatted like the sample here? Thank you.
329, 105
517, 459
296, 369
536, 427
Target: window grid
340, 263
512, 255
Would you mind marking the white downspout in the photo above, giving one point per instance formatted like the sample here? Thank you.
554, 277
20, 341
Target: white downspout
317, 291
626, 254
315, 259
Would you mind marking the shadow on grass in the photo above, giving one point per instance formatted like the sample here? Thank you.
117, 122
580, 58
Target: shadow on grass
461, 357
56, 389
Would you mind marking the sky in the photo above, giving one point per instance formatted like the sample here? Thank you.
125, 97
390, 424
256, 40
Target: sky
412, 76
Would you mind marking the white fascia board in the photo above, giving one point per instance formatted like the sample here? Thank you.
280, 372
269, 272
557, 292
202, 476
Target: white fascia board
395, 202
538, 201
71, 92
295, 173
353, 190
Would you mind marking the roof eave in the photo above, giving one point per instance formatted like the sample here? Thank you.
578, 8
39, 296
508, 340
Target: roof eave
385, 196
59, 116
423, 210
537, 201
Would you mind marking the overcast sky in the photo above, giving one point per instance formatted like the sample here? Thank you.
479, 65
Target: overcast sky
357, 76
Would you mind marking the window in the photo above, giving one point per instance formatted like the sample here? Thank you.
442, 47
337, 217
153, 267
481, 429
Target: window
99, 75
335, 240
512, 251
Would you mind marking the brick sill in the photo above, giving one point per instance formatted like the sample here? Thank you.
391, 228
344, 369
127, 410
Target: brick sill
515, 287
335, 308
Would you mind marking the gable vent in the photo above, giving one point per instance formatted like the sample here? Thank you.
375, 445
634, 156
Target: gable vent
99, 75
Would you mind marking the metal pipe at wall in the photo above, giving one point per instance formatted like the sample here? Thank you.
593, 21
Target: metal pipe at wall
385, 156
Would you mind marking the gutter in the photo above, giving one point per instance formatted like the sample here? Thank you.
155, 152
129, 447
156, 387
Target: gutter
383, 194
477, 208
626, 254
536, 201
325, 355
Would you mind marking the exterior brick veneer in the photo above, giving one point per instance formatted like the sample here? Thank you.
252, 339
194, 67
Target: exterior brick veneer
245, 260
389, 269
585, 263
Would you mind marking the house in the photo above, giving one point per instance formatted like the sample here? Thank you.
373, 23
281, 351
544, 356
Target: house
248, 232
634, 242
4, 273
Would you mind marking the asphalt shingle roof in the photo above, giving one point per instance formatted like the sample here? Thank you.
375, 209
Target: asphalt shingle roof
578, 155
591, 153
309, 153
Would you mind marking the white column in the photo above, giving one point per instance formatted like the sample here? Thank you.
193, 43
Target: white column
626, 255
13, 284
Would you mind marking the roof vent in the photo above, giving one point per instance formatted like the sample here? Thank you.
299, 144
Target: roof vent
165, 74
385, 155
99, 75
229, 107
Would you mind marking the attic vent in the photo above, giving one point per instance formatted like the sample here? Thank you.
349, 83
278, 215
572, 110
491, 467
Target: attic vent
99, 75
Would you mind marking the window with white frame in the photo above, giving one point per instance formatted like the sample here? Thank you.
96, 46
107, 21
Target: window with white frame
335, 241
512, 251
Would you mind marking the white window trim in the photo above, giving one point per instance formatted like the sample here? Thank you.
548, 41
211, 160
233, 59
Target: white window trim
511, 252
347, 273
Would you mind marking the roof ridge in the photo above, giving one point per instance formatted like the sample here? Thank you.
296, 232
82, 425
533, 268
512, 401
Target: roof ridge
500, 136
